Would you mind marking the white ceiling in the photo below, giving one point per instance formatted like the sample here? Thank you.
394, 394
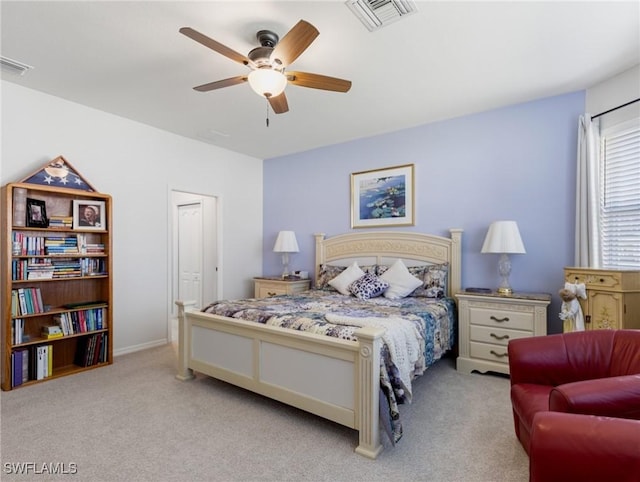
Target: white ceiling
449, 59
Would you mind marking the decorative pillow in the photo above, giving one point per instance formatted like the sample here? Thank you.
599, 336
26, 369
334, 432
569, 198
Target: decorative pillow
344, 279
326, 274
401, 281
368, 286
434, 281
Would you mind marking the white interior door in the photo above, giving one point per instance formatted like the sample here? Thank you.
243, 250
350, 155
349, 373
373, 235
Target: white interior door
190, 252
194, 259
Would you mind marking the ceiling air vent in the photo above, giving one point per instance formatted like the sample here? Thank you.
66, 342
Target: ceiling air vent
13, 66
375, 14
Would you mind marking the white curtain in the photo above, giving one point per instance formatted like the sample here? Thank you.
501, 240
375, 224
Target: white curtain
587, 241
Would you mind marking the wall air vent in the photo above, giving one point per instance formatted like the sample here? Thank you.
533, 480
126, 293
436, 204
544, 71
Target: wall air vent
13, 66
375, 14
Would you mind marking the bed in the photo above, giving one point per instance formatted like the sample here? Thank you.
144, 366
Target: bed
348, 370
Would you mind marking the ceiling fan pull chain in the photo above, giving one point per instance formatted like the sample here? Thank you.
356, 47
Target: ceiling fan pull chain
267, 111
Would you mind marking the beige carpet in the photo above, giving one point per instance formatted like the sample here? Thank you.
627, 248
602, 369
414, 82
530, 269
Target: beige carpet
134, 421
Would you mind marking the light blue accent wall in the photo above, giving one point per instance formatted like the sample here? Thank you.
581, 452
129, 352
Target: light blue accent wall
516, 163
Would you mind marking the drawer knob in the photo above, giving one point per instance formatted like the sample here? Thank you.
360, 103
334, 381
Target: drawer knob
271, 293
499, 355
500, 320
498, 337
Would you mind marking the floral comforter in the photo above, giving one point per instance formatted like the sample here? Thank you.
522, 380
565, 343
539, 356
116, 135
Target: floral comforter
433, 319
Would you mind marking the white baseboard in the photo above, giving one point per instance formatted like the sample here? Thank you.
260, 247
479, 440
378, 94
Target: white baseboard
142, 346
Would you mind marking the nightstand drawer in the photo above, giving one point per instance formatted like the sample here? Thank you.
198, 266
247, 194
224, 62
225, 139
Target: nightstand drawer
494, 353
267, 290
267, 287
496, 336
499, 318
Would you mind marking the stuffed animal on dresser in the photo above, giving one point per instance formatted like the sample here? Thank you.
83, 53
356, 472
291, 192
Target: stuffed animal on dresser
571, 312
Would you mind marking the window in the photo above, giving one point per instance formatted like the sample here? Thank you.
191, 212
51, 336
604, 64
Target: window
620, 196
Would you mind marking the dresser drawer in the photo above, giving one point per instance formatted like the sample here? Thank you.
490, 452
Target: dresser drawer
496, 336
484, 351
593, 280
501, 318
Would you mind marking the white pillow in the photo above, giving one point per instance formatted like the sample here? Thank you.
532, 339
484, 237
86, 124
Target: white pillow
401, 281
348, 276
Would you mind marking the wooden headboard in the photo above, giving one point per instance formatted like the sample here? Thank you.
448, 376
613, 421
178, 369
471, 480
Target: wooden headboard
383, 247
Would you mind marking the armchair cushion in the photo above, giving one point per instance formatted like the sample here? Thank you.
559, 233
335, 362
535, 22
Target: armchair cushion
568, 447
613, 397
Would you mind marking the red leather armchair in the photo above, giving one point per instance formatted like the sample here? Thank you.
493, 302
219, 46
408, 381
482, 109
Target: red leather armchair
591, 372
567, 447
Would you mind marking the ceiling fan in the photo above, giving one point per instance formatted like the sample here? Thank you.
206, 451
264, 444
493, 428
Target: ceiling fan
268, 63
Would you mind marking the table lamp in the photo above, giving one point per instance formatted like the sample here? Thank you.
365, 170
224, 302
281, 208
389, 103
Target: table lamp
286, 243
503, 238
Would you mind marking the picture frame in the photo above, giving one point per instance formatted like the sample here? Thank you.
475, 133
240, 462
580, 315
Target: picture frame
89, 214
383, 197
36, 213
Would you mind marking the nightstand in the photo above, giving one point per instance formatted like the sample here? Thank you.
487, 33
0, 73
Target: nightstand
487, 321
272, 286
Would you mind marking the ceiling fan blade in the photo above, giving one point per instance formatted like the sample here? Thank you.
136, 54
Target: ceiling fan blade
317, 81
216, 46
293, 43
219, 84
279, 104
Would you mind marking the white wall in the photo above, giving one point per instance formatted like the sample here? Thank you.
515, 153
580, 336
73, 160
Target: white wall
138, 165
615, 91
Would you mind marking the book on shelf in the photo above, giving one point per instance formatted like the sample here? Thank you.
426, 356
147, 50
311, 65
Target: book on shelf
61, 221
49, 349
52, 331
15, 303
16, 369
56, 245
43, 356
20, 367
64, 323
40, 362
29, 301
17, 331
19, 206
92, 350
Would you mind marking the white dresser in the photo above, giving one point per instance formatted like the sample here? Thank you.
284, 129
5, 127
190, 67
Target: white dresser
486, 323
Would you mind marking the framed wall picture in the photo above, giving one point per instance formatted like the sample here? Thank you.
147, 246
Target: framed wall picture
383, 197
89, 214
36, 213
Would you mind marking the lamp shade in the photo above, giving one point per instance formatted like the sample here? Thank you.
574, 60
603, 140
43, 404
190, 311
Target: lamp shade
286, 242
503, 237
267, 82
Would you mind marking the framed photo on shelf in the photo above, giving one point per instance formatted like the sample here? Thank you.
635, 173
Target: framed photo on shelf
89, 214
36, 213
383, 197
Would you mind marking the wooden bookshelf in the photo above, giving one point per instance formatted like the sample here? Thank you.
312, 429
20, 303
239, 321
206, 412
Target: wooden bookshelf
70, 283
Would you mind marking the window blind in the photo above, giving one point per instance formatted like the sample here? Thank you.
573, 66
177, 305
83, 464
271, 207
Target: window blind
620, 198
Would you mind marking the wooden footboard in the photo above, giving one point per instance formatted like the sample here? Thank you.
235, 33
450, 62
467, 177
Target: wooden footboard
336, 379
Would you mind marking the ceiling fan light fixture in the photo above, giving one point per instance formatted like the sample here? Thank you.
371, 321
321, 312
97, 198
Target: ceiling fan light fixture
267, 82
